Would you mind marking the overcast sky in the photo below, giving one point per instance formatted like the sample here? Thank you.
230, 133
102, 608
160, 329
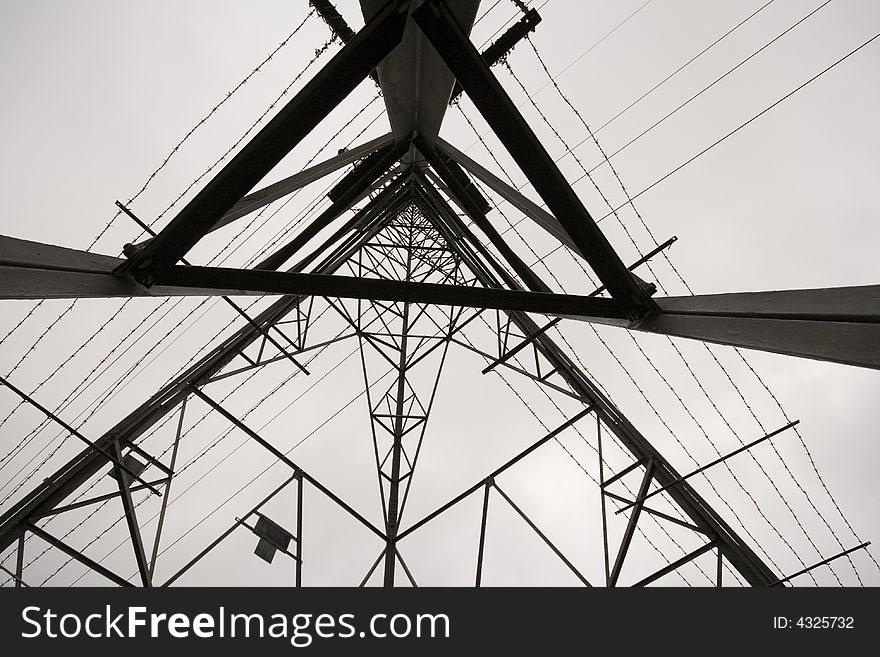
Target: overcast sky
97, 93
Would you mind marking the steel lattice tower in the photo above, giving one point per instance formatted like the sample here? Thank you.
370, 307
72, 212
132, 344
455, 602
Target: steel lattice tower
411, 268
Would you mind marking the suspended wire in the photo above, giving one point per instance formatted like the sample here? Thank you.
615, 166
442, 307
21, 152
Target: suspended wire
320, 197
606, 158
750, 121
639, 388
316, 56
812, 461
64, 362
318, 52
568, 150
676, 71
607, 35
203, 120
584, 54
486, 13
675, 347
22, 321
176, 148
785, 465
40, 338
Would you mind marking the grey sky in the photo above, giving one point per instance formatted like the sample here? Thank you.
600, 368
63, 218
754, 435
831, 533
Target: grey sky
95, 95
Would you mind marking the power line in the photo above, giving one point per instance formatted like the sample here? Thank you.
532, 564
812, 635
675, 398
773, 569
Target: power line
683, 66
204, 119
748, 122
606, 157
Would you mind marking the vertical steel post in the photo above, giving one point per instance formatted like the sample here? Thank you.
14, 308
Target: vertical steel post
602, 498
631, 525
131, 519
483, 532
19, 562
392, 521
299, 528
167, 492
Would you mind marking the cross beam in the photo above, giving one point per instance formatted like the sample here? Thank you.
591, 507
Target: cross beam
499, 111
307, 109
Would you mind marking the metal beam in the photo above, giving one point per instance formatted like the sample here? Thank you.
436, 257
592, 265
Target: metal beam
499, 111
254, 282
513, 196
416, 84
500, 48
452, 177
738, 553
361, 178
840, 325
51, 492
821, 563
675, 565
262, 197
631, 524
79, 556
268, 147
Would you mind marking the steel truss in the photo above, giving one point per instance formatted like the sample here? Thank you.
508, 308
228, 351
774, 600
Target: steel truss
417, 273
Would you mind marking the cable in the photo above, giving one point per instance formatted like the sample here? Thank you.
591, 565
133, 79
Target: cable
239, 234
680, 68
616, 358
168, 157
202, 122
671, 342
807, 496
751, 120
606, 158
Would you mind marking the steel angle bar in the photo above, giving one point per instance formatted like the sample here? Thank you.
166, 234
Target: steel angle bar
675, 565
543, 537
499, 111
497, 472
361, 179
294, 121
79, 556
660, 514
703, 468
226, 281
629, 532
513, 196
782, 581
262, 197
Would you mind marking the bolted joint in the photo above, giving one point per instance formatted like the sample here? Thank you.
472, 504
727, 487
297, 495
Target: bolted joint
144, 276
